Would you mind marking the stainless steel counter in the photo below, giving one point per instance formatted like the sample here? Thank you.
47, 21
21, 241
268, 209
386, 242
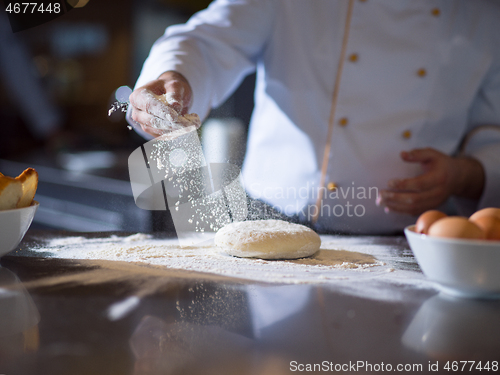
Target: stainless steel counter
62, 316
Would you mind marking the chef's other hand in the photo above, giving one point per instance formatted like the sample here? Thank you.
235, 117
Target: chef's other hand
443, 177
156, 116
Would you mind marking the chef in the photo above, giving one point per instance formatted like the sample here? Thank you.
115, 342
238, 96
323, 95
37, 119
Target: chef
362, 107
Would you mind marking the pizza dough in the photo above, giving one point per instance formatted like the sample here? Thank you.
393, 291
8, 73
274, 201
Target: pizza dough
267, 239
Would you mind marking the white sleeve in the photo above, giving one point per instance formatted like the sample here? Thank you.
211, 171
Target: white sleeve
484, 145
214, 50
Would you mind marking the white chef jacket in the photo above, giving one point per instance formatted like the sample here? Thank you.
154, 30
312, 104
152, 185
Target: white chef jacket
416, 74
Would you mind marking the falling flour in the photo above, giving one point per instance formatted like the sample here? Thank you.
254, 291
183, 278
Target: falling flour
118, 106
354, 264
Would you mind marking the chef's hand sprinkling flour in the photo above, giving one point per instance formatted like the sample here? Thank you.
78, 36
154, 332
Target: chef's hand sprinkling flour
161, 106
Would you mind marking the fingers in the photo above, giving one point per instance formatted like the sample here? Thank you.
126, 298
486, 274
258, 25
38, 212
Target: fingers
178, 93
154, 125
413, 184
146, 121
422, 182
426, 191
420, 155
413, 203
144, 100
174, 96
161, 105
414, 195
166, 97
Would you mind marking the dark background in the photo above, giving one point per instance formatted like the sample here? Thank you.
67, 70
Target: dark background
81, 58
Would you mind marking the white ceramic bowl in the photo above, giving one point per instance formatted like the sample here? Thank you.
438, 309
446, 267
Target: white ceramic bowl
466, 268
13, 226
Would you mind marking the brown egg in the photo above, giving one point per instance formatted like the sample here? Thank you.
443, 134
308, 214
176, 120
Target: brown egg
456, 227
490, 211
425, 220
490, 226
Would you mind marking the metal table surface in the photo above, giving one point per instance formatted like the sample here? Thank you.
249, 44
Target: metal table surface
61, 316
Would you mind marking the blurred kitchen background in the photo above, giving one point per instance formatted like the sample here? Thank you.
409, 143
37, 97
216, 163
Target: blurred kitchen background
57, 83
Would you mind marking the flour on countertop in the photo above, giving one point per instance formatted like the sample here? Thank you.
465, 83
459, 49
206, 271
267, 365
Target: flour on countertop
354, 264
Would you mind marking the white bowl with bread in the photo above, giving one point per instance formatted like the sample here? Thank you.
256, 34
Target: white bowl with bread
462, 259
17, 208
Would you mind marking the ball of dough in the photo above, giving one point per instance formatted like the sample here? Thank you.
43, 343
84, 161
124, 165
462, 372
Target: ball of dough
268, 239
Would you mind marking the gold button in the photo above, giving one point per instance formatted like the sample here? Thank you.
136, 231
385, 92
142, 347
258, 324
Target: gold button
353, 57
407, 134
331, 186
422, 72
436, 12
343, 121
